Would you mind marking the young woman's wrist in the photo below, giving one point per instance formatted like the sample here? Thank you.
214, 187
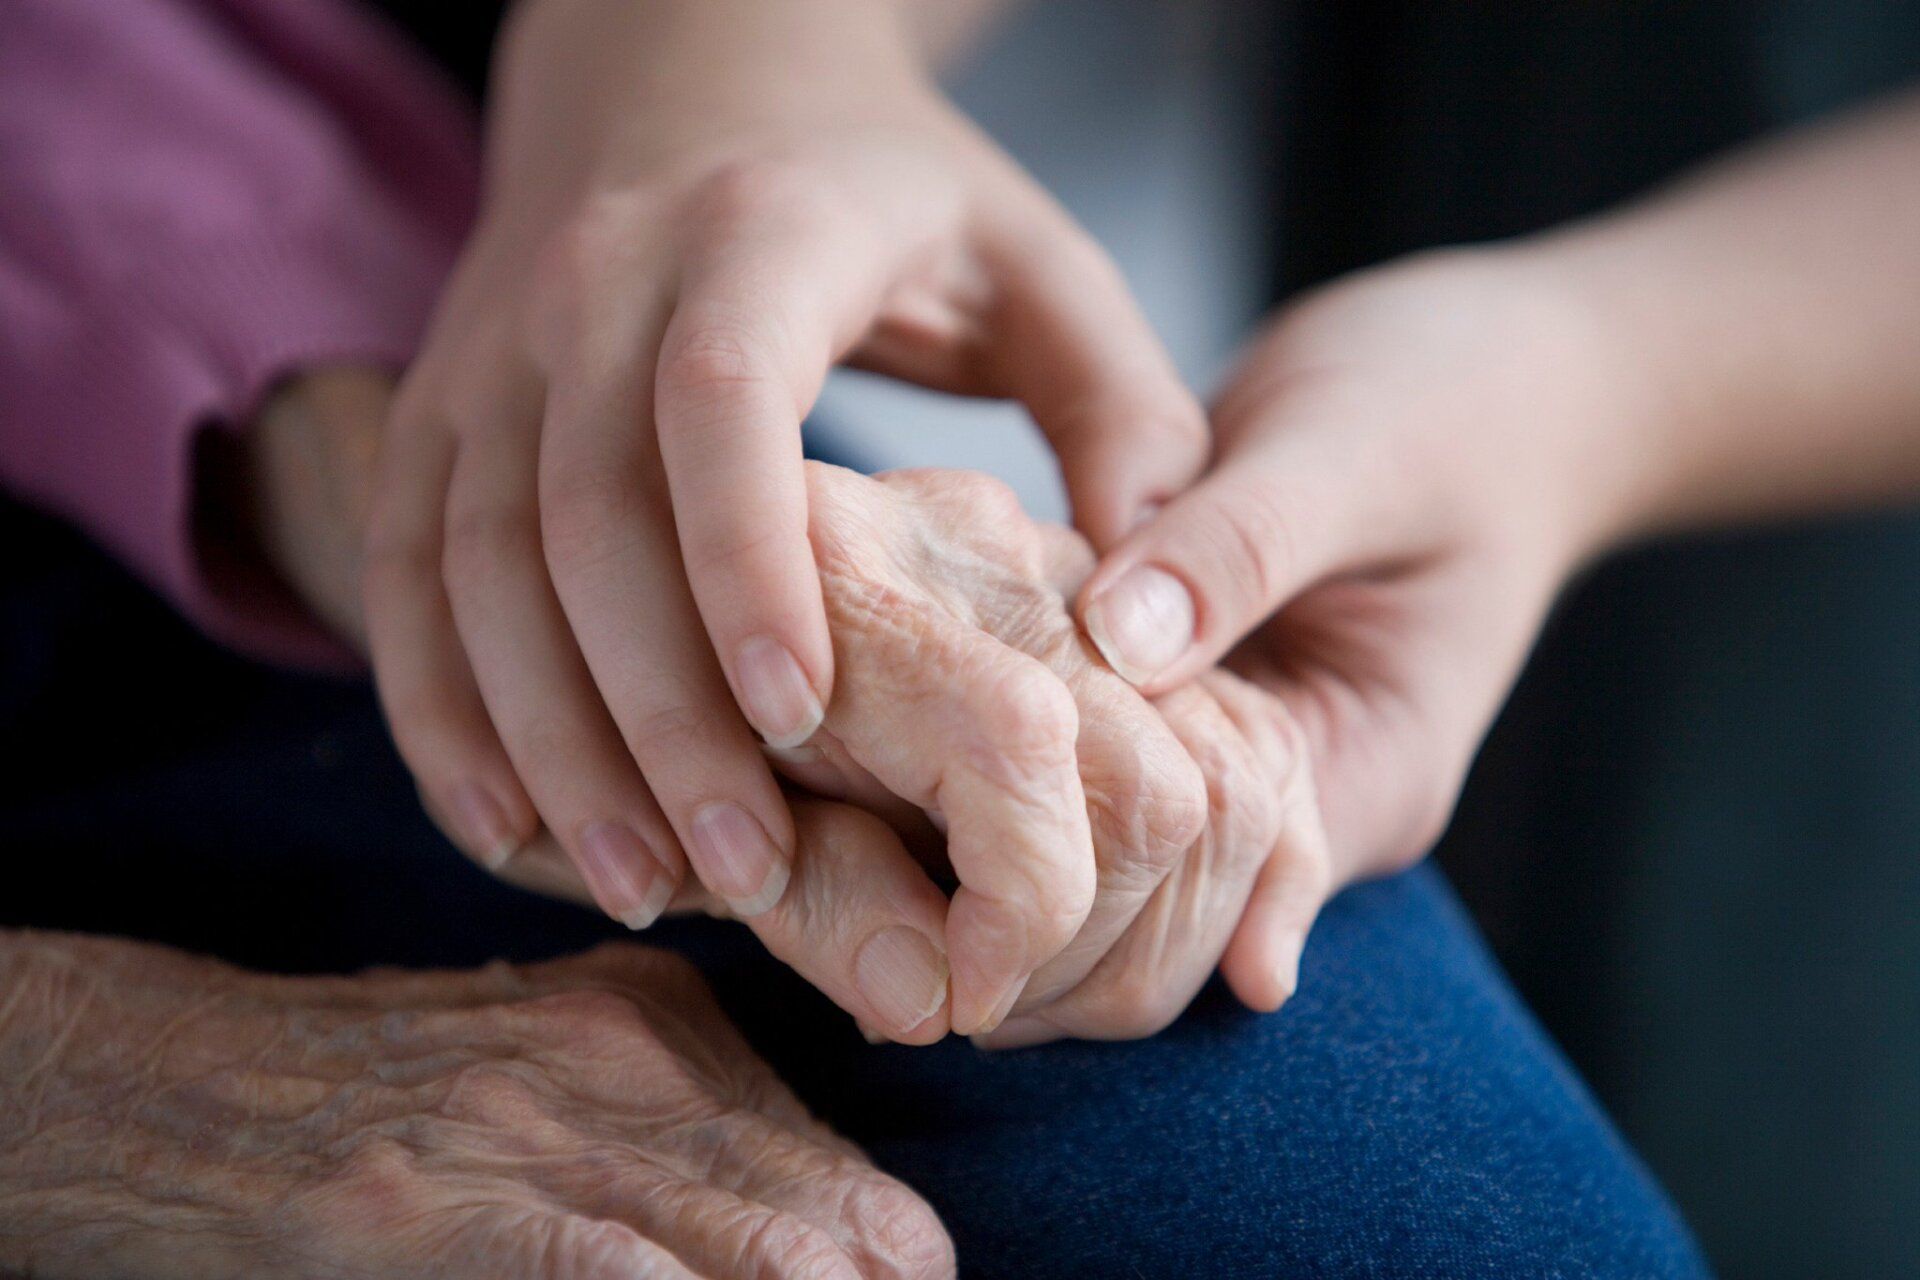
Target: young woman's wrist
1617, 429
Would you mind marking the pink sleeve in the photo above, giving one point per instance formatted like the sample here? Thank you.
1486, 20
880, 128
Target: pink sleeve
198, 197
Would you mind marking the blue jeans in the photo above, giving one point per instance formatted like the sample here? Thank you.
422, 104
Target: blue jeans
1403, 1116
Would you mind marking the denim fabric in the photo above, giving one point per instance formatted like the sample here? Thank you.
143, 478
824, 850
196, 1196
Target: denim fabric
1402, 1118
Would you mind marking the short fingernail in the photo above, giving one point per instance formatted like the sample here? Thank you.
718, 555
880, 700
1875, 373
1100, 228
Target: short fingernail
735, 858
628, 882
483, 825
902, 976
1142, 622
780, 701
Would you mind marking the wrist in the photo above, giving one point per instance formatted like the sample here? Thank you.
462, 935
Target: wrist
1607, 425
308, 476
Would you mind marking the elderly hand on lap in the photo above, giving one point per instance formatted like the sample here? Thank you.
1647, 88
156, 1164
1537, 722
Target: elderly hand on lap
168, 1116
1104, 849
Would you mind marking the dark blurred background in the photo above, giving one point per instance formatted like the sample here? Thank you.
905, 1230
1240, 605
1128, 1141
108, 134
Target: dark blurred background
1694, 837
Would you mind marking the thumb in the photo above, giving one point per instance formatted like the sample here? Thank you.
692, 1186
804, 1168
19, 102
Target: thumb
1214, 563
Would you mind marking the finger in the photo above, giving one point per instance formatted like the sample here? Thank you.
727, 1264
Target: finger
1281, 510
864, 924
514, 1242
537, 689
1068, 341
765, 306
1146, 803
1171, 946
716, 1233
438, 720
887, 1230
1262, 961
608, 532
1004, 776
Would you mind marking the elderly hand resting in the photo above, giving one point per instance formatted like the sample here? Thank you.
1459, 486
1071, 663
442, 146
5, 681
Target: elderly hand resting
1104, 848
165, 1116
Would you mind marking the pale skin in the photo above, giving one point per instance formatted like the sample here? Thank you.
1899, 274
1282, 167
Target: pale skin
1412, 462
1107, 844
589, 594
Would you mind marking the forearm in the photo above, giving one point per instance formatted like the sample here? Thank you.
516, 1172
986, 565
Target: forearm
1765, 320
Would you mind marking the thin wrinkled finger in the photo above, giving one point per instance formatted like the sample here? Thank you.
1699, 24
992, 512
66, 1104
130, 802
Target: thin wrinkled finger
863, 923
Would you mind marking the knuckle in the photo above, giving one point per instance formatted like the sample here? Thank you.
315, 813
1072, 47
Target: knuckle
588, 1020
1027, 715
1253, 537
757, 189
1159, 809
591, 1249
670, 728
900, 1230
711, 355
733, 546
491, 1093
1133, 1005
588, 510
779, 1246
480, 539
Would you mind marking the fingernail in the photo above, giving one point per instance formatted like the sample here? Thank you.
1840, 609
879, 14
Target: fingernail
780, 702
628, 882
736, 859
1142, 623
902, 975
483, 826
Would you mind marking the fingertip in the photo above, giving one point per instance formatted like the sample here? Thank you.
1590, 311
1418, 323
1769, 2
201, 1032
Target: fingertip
1262, 966
781, 700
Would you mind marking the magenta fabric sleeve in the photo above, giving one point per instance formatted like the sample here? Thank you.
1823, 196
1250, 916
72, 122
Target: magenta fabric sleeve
197, 198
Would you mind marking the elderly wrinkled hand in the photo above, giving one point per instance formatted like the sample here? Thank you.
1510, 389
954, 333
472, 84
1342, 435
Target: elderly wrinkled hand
1105, 848
169, 1116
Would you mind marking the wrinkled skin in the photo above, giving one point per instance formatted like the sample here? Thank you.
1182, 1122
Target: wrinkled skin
1082, 819
595, 1117
1109, 844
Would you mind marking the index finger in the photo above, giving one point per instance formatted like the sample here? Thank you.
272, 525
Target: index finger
765, 305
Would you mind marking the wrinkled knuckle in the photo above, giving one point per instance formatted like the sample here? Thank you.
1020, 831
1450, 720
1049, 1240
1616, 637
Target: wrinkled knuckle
1135, 1004
373, 1182
1028, 715
592, 1249
780, 1246
587, 1020
492, 1093
900, 1230
1165, 811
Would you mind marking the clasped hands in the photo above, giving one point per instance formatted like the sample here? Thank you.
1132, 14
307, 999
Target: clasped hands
1104, 851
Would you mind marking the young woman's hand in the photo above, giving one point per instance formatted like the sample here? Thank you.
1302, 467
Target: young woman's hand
1410, 463
588, 582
